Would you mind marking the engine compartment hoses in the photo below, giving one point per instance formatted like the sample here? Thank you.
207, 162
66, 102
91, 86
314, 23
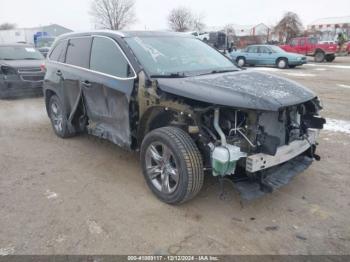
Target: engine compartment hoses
218, 128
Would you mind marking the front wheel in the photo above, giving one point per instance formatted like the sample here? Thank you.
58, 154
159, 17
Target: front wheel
172, 165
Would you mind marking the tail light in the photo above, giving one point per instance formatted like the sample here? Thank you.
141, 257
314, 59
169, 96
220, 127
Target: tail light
7, 70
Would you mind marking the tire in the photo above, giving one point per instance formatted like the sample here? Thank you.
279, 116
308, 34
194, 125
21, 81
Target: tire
282, 63
58, 118
319, 56
172, 165
241, 61
330, 58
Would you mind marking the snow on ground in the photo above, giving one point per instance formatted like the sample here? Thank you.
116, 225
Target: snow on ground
343, 86
330, 66
335, 125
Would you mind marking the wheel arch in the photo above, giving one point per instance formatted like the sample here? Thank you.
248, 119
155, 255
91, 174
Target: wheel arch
160, 116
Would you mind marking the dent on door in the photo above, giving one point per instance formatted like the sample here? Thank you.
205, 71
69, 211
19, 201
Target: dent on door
107, 104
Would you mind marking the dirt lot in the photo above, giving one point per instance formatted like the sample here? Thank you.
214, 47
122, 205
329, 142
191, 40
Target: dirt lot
87, 196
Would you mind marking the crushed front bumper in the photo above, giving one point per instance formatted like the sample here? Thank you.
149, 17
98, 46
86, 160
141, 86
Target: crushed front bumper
272, 172
272, 178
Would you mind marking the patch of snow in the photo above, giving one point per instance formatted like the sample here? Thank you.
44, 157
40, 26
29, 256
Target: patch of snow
94, 228
335, 125
343, 86
320, 69
51, 195
271, 69
330, 66
7, 251
299, 74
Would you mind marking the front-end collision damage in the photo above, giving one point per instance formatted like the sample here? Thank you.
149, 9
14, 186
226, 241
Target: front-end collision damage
260, 150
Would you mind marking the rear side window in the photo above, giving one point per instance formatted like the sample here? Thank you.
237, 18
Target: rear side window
78, 52
253, 49
107, 58
59, 52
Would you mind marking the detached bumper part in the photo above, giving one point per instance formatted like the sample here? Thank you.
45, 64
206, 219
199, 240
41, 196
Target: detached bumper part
272, 178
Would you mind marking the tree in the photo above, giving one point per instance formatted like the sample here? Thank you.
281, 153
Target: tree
7, 26
197, 23
182, 19
290, 26
113, 14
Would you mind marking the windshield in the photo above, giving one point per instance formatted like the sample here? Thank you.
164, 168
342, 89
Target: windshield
44, 42
19, 53
174, 55
277, 49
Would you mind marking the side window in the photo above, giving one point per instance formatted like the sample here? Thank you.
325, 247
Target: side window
294, 42
59, 52
264, 50
107, 58
253, 49
78, 52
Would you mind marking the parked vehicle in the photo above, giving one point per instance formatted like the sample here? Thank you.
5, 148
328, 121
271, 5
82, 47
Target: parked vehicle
186, 107
267, 55
311, 47
21, 72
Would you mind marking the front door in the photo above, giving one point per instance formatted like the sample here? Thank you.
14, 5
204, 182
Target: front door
107, 88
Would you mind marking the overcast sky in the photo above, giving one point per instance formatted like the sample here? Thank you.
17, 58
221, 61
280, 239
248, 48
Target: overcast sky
152, 14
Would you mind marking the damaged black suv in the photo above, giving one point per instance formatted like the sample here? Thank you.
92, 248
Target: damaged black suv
187, 108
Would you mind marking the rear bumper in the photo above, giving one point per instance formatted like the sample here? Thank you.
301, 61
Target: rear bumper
19, 88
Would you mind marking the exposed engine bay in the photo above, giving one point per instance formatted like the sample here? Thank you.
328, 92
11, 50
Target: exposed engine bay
251, 143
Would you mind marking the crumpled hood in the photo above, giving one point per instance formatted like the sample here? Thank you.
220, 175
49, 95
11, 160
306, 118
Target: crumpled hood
22, 63
244, 89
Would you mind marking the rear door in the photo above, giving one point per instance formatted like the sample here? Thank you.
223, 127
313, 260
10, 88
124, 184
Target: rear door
265, 56
76, 63
107, 90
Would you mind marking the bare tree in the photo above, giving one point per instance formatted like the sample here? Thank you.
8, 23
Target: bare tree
290, 26
7, 26
180, 19
113, 14
197, 22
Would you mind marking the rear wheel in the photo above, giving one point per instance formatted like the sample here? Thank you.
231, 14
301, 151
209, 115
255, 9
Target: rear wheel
319, 56
330, 58
282, 63
172, 165
241, 61
58, 117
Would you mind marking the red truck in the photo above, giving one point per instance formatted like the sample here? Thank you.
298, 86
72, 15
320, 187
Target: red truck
311, 47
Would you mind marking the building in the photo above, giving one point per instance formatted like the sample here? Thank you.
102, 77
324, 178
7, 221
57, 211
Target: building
27, 34
328, 28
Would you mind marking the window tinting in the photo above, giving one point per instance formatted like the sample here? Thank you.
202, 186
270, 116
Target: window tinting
107, 58
58, 53
78, 52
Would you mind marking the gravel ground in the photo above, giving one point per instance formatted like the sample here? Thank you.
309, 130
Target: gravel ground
87, 196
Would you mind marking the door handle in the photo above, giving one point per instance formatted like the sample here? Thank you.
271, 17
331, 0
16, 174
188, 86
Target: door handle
59, 72
86, 83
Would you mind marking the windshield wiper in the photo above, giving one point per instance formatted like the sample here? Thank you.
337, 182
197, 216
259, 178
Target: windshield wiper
172, 75
220, 71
